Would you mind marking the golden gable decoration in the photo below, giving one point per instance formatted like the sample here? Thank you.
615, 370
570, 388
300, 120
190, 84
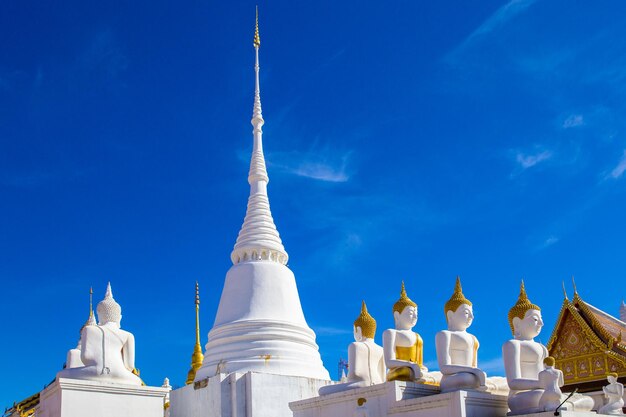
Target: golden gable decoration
587, 345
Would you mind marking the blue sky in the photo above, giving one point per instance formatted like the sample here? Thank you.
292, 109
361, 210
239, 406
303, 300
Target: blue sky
405, 140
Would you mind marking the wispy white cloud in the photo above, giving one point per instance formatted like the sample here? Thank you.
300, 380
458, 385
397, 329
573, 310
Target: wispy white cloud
549, 241
526, 160
618, 171
325, 166
330, 331
496, 20
573, 120
502, 15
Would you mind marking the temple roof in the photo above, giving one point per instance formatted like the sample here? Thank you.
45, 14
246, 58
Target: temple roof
24, 408
587, 343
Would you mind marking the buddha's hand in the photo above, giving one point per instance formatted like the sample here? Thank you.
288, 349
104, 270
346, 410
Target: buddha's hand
482, 376
417, 370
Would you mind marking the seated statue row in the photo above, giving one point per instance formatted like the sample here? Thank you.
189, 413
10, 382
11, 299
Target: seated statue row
403, 349
107, 353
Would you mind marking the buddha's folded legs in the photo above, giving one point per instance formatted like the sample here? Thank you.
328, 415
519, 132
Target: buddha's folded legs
461, 380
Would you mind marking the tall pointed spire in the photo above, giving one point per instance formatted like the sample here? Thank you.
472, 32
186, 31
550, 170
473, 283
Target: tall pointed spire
259, 325
196, 357
258, 238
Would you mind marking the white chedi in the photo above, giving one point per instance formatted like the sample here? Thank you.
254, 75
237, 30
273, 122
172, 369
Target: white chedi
456, 348
259, 325
107, 352
614, 393
523, 361
366, 362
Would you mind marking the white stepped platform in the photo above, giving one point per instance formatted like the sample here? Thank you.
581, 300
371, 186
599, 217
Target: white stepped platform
78, 398
402, 399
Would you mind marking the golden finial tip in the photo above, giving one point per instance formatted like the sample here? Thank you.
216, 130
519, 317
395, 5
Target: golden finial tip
257, 38
574, 284
564, 291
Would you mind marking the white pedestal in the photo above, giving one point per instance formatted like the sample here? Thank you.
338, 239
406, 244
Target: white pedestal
252, 394
379, 399
78, 398
453, 404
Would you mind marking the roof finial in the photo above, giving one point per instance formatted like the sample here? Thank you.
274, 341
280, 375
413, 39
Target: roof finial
574, 284
564, 291
196, 357
257, 38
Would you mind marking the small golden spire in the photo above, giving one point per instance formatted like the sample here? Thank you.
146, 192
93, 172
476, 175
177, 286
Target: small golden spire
196, 357
257, 38
564, 291
457, 299
574, 284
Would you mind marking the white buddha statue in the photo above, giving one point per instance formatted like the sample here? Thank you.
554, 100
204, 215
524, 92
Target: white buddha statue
404, 349
107, 352
551, 380
523, 361
614, 393
457, 350
366, 362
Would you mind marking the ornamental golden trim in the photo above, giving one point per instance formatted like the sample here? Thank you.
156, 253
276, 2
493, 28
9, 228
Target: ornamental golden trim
456, 300
366, 322
522, 305
403, 302
257, 38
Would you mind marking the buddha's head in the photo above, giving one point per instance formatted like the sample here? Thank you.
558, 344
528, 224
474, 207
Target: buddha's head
525, 317
364, 325
109, 311
404, 311
549, 362
612, 378
458, 309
